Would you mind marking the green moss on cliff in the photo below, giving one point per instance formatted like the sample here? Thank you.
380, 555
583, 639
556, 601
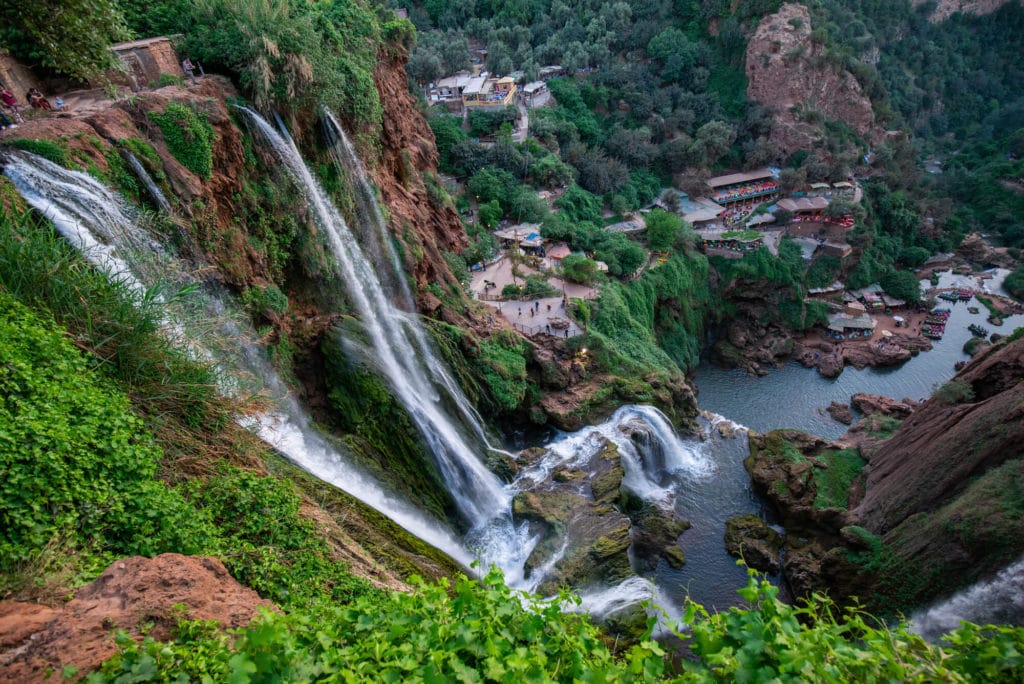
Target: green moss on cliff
377, 430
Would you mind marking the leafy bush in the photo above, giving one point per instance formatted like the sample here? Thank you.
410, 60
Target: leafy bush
536, 286
77, 462
954, 392
1014, 283
189, 137
502, 364
170, 80
663, 229
482, 631
578, 268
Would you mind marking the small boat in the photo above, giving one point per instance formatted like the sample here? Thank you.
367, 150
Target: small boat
972, 309
959, 365
977, 330
949, 296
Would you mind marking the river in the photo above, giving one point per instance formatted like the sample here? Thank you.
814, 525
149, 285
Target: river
796, 397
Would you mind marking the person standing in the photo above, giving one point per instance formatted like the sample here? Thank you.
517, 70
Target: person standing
186, 66
10, 103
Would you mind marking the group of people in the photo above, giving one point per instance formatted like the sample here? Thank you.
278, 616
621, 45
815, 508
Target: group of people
10, 114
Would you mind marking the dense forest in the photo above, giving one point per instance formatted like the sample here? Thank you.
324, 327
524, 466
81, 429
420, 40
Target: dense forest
143, 456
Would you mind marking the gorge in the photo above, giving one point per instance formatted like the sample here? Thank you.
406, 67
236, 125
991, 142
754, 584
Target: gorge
303, 398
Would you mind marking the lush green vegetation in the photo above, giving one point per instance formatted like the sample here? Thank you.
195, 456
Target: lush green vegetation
474, 631
68, 36
832, 483
189, 136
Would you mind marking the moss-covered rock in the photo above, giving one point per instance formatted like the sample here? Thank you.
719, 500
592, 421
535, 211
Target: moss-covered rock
656, 531
750, 538
376, 429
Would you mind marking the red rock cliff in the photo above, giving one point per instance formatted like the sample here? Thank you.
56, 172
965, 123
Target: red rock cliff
787, 71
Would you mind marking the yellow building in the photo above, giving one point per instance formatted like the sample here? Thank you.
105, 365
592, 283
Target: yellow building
483, 91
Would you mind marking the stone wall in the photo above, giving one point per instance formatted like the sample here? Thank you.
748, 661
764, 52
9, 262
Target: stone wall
145, 60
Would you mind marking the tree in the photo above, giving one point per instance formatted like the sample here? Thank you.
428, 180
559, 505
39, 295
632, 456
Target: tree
579, 269
913, 256
68, 36
551, 172
447, 134
490, 213
424, 66
490, 183
662, 230
902, 285
580, 205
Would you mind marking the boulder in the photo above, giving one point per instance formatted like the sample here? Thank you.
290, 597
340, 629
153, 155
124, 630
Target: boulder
871, 404
750, 538
840, 412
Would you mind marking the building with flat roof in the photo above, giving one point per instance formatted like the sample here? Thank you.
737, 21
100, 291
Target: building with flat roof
737, 188
802, 206
484, 91
844, 326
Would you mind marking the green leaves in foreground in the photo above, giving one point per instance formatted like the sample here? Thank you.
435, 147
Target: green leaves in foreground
481, 631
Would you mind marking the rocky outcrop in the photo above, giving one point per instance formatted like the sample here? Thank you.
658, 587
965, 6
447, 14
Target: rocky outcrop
840, 412
975, 249
750, 538
790, 73
831, 357
874, 404
589, 526
137, 595
942, 446
946, 8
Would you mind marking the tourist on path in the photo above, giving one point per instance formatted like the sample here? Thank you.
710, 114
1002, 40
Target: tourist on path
37, 100
11, 104
186, 66
5, 122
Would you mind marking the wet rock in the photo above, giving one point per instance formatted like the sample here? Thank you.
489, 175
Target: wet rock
840, 412
750, 538
582, 533
656, 531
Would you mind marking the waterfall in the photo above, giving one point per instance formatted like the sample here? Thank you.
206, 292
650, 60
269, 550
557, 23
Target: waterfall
375, 230
84, 212
154, 191
105, 229
653, 456
476, 491
999, 600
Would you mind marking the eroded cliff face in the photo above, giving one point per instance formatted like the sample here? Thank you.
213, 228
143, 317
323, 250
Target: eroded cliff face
789, 73
943, 446
407, 152
936, 507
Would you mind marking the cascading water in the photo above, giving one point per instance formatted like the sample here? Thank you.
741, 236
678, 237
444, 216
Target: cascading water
152, 188
105, 229
375, 230
656, 461
481, 498
999, 600
85, 212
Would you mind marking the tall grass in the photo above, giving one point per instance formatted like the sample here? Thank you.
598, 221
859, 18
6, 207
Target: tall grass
117, 326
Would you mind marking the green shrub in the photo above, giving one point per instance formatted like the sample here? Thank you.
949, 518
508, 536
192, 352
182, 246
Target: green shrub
189, 137
170, 80
954, 392
78, 464
502, 365
536, 286
48, 149
262, 300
